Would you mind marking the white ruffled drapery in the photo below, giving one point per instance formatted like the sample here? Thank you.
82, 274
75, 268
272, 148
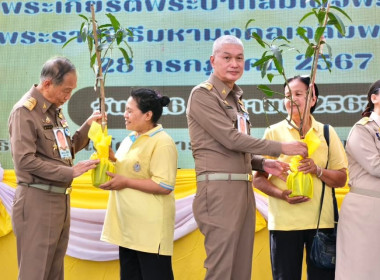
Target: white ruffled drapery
86, 225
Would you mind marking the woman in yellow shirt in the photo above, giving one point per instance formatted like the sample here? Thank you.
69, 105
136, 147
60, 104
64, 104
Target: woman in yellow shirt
141, 208
292, 221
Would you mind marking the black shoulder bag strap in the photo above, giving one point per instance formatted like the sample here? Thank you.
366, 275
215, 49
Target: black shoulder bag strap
336, 214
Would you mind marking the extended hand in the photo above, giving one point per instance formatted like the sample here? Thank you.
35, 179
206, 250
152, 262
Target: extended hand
276, 168
83, 166
294, 148
307, 165
295, 199
95, 116
118, 182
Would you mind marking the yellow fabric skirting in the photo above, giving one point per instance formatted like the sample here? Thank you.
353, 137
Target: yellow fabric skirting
189, 253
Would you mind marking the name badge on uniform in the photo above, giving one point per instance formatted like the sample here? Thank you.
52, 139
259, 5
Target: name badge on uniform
63, 147
242, 124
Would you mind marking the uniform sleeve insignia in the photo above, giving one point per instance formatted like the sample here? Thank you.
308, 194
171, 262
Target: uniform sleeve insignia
207, 86
30, 103
363, 121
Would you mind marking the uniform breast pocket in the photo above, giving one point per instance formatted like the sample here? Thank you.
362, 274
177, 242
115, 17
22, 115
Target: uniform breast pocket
48, 144
232, 115
377, 143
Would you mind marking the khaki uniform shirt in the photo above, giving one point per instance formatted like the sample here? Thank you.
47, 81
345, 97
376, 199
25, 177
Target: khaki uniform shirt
363, 154
34, 149
217, 145
358, 246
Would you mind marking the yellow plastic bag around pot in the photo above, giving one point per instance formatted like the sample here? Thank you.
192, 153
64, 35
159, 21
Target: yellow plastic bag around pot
99, 175
299, 183
102, 142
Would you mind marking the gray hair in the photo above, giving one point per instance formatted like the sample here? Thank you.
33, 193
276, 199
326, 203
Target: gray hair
55, 69
225, 39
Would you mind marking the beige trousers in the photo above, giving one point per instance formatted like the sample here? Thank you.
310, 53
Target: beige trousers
225, 214
41, 223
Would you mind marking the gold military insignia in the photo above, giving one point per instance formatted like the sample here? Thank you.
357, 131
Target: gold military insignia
225, 102
242, 106
224, 91
363, 121
44, 106
30, 103
206, 85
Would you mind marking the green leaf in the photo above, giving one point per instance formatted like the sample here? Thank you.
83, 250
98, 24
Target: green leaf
90, 44
119, 37
281, 38
84, 33
309, 51
318, 34
328, 63
258, 39
71, 39
321, 17
93, 60
84, 17
301, 32
339, 25
126, 56
105, 26
261, 61
266, 90
341, 11
115, 23
270, 77
306, 16
328, 49
248, 23
264, 68
278, 65
129, 48
127, 32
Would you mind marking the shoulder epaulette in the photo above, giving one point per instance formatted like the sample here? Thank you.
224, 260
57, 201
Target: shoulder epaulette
206, 85
363, 121
30, 103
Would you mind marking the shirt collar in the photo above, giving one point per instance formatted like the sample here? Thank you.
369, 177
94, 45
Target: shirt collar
42, 102
133, 135
375, 117
222, 89
314, 125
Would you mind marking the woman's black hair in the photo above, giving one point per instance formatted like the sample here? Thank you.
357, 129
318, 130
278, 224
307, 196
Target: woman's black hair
306, 81
373, 89
150, 100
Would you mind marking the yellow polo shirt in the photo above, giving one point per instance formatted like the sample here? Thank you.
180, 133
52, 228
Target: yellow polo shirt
301, 216
134, 219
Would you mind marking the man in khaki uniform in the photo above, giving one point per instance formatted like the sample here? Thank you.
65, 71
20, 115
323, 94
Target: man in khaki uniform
224, 205
41, 208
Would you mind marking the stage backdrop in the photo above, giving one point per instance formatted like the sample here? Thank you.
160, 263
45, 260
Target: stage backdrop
172, 43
